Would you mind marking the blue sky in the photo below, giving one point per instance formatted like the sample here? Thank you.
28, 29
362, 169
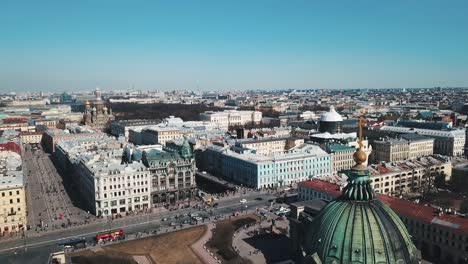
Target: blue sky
232, 45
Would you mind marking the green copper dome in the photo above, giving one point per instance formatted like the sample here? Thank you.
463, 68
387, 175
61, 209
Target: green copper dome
186, 151
360, 232
358, 228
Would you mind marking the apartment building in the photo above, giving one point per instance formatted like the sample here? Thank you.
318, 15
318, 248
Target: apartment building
159, 135
50, 137
341, 156
407, 146
12, 193
31, 137
110, 187
390, 149
409, 176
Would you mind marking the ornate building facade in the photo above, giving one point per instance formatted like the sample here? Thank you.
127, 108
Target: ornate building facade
172, 174
97, 114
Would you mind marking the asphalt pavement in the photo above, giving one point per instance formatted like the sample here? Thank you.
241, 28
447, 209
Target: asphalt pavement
37, 249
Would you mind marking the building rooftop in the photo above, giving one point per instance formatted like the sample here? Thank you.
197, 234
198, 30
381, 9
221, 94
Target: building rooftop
416, 137
261, 140
407, 165
298, 152
423, 124
113, 166
11, 172
427, 214
329, 188
137, 122
427, 132
327, 135
339, 148
392, 141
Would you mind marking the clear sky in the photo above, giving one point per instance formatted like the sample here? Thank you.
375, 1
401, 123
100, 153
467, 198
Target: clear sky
232, 45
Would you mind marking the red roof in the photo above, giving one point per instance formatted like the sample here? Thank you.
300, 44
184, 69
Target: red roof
382, 169
323, 186
10, 146
14, 120
405, 208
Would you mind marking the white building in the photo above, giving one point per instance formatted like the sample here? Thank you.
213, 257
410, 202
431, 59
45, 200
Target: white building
232, 117
409, 176
110, 187
409, 146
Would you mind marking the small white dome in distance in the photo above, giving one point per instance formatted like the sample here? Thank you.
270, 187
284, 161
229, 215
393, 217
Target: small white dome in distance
331, 116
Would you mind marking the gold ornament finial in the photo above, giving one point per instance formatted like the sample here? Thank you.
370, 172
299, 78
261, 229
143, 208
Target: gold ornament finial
360, 156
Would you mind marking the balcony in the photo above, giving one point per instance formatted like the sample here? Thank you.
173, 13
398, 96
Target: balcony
11, 213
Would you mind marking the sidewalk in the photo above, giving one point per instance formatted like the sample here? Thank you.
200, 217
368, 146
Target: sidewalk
244, 249
32, 233
199, 247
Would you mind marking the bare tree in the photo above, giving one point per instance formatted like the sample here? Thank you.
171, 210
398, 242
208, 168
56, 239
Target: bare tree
429, 181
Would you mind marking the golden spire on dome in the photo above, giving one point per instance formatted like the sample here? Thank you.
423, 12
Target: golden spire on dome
360, 156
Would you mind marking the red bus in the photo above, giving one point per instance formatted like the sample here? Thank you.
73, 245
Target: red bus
110, 236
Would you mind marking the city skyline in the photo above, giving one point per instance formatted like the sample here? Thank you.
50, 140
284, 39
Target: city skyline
53, 46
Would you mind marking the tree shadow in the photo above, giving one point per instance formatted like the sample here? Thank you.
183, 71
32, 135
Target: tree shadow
275, 247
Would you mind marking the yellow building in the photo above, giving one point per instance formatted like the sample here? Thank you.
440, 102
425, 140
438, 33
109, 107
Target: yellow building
31, 137
12, 193
409, 176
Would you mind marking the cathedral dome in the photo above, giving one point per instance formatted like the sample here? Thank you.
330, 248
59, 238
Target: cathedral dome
360, 232
331, 116
358, 228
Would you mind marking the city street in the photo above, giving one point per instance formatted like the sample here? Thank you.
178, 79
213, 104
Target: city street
37, 249
48, 204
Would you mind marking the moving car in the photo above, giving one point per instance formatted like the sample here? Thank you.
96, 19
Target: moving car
243, 201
